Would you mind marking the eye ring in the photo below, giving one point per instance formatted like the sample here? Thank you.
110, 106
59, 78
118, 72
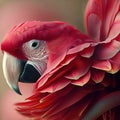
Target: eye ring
34, 44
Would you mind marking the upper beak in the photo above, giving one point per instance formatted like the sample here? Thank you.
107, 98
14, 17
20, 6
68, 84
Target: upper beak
11, 71
15, 71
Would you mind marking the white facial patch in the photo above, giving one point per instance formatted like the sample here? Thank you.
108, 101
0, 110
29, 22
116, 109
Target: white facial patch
37, 53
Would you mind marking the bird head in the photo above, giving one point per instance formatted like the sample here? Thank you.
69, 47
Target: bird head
31, 47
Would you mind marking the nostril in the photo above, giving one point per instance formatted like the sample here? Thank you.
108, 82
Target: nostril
29, 74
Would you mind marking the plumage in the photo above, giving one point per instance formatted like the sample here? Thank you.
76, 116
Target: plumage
77, 72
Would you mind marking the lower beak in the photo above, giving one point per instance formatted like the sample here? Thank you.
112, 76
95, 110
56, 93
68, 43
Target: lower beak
15, 71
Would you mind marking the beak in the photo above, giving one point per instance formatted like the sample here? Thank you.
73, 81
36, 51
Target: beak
11, 71
15, 71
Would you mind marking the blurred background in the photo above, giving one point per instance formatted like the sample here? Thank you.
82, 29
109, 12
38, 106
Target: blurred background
13, 12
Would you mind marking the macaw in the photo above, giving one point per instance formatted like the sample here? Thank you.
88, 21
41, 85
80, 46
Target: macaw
75, 75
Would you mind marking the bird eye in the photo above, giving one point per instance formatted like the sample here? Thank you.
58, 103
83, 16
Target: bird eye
34, 44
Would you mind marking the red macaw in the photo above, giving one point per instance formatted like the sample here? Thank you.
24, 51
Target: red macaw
76, 76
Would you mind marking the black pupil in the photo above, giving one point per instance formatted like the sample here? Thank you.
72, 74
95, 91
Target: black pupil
34, 44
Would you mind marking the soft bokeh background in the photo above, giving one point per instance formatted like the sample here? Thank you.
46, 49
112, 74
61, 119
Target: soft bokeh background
13, 12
